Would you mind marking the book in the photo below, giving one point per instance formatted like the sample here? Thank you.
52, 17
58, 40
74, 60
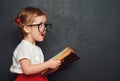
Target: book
67, 55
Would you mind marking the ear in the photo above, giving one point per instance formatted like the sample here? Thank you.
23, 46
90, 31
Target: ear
27, 29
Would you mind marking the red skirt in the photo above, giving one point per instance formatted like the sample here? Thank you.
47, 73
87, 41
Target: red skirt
37, 77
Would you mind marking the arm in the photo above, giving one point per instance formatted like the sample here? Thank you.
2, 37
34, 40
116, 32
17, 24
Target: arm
29, 68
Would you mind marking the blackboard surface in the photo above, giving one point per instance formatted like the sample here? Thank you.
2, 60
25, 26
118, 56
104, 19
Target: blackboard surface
91, 27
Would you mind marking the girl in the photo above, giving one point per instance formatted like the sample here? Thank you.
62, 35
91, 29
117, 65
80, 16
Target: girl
28, 59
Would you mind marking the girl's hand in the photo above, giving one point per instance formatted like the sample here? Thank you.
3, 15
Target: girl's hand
53, 64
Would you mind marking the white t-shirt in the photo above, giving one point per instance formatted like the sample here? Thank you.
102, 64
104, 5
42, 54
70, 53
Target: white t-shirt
26, 50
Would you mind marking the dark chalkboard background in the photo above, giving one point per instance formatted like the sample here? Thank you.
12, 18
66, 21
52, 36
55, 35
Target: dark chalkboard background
91, 27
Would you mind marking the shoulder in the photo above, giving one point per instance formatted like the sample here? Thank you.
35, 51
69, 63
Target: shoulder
22, 46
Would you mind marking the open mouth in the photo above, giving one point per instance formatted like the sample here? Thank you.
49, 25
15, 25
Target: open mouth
43, 34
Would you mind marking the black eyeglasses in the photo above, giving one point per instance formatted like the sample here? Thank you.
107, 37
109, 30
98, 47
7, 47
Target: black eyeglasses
48, 27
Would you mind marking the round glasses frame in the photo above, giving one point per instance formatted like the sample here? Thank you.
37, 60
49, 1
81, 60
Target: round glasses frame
48, 26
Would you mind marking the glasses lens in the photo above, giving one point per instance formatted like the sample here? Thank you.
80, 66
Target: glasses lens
48, 27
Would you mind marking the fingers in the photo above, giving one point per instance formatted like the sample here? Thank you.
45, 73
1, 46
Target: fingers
54, 63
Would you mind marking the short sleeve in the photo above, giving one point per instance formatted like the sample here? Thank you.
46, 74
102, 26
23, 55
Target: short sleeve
23, 52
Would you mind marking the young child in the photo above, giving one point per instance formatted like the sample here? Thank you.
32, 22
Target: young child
28, 59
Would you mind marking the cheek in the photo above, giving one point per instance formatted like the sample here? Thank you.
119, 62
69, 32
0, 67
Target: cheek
37, 36
35, 32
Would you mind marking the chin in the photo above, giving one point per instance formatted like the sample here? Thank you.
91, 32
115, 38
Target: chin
41, 40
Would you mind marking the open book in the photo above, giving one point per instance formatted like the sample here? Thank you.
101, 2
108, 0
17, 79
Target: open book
67, 56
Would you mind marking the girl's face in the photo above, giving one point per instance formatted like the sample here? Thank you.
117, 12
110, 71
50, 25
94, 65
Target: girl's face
37, 30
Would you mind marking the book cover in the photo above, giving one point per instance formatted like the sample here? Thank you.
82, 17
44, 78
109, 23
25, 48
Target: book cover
67, 55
